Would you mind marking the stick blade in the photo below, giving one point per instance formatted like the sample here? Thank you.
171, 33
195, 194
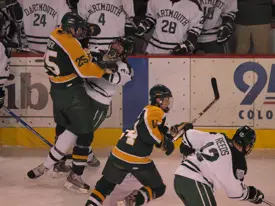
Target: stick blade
215, 88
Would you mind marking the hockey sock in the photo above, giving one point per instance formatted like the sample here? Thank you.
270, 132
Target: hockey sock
81, 152
102, 189
91, 154
144, 195
61, 147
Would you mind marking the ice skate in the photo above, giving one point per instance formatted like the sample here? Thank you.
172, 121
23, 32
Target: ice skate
130, 200
76, 184
94, 162
60, 169
37, 172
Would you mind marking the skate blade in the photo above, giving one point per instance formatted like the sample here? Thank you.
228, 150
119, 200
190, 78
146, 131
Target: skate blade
73, 188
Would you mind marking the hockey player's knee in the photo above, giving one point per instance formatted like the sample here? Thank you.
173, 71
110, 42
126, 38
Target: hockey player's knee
65, 141
85, 139
104, 186
59, 130
159, 191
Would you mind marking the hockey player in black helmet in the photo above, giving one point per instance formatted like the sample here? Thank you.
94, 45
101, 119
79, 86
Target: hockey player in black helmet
215, 161
132, 153
245, 138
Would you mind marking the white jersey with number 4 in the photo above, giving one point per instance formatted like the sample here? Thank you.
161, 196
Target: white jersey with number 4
214, 10
109, 15
212, 163
172, 22
40, 19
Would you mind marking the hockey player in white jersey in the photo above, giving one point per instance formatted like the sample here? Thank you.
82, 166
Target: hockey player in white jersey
110, 15
213, 161
177, 25
40, 19
8, 42
219, 16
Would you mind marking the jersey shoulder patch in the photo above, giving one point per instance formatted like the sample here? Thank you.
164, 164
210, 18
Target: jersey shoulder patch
197, 3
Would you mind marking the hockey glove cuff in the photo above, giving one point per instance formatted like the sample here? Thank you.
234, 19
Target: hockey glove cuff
224, 33
255, 196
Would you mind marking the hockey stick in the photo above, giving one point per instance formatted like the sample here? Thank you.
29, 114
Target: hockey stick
268, 203
27, 126
31, 129
216, 98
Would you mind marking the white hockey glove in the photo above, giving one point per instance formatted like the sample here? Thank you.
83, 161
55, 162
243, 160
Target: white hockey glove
183, 48
255, 196
224, 33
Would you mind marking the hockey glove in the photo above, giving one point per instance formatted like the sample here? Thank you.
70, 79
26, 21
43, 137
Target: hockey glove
168, 145
187, 126
184, 48
255, 196
2, 97
224, 33
143, 28
109, 67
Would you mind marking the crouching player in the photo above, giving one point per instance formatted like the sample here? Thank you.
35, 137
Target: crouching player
213, 160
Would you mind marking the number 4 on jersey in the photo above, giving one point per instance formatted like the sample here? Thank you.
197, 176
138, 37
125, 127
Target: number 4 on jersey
102, 19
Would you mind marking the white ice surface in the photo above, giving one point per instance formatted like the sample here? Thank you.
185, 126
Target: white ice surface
17, 190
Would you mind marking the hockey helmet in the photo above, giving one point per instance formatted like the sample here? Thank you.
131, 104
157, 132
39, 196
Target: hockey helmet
161, 96
121, 48
74, 24
246, 137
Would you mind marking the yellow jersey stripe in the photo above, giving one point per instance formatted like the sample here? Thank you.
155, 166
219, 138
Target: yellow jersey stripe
63, 79
132, 159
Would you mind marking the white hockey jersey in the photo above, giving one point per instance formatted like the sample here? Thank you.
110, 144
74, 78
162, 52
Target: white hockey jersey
213, 11
4, 65
103, 89
172, 22
40, 19
212, 163
110, 16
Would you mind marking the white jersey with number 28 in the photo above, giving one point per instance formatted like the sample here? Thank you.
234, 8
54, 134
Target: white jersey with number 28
172, 22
